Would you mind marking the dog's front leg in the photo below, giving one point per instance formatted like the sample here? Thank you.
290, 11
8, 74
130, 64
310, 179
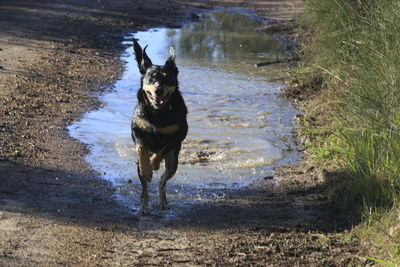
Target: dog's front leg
155, 161
144, 162
145, 195
145, 173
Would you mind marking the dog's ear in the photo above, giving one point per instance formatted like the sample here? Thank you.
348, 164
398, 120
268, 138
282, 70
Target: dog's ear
142, 59
171, 57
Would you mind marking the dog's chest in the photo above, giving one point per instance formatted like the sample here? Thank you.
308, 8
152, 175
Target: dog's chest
155, 124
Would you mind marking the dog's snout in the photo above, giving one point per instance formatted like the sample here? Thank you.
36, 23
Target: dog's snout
159, 91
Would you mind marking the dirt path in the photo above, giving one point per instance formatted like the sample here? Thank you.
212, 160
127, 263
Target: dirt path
55, 57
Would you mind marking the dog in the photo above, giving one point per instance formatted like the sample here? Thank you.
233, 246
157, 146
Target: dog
159, 122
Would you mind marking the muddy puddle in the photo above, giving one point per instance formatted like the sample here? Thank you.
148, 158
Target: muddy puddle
239, 128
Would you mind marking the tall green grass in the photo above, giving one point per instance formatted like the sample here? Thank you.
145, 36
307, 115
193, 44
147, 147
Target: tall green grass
355, 47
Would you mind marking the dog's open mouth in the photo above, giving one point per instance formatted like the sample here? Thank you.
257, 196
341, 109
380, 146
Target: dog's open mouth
159, 100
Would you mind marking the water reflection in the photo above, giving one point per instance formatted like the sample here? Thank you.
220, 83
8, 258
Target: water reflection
223, 37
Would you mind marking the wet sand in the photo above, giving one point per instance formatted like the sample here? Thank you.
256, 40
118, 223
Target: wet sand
56, 57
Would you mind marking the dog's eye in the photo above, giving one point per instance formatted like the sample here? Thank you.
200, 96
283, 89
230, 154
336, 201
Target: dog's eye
164, 74
168, 80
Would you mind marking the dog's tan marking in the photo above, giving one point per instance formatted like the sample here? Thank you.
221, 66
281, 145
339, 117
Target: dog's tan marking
144, 124
171, 129
155, 161
144, 162
150, 87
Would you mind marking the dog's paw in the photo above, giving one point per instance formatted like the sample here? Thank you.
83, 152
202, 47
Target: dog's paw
143, 211
163, 202
155, 161
164, 206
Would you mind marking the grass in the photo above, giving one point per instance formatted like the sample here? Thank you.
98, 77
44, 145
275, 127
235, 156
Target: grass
353, 121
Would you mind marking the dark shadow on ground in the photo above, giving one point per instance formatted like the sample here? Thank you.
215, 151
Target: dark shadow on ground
59, 195
84, 199
271, 209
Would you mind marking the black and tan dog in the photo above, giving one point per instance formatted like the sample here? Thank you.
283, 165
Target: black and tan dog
159, 122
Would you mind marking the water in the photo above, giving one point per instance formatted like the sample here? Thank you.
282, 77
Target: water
239, 129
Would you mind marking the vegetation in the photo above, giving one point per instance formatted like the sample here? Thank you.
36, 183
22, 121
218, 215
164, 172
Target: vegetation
354, 54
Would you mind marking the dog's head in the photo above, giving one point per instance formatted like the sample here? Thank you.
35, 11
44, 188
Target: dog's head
158, 82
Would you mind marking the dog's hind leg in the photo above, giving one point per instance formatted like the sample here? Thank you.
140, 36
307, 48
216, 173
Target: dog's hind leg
171, 164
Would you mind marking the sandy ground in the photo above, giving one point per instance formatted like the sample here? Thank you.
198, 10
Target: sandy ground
56, 57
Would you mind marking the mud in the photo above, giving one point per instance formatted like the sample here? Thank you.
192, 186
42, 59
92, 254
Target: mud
56, 57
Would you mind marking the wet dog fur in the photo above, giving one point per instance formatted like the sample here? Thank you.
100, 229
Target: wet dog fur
159, 122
